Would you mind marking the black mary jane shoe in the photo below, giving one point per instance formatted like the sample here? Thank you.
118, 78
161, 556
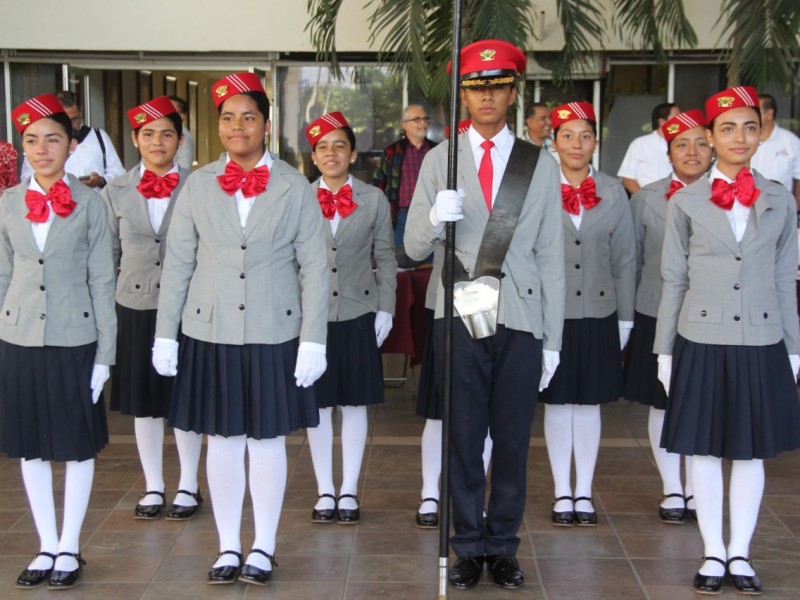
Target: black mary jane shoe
257, 575
178, 512
708, 584
149, 512
505, 571
562, 518
750, 585
227, 573
33, 578
671, 516
691, 511
583, 518
427, 520
348, 516
466, 572
63, 580
324, 515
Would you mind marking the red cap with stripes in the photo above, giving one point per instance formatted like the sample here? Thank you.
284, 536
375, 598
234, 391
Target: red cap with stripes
34, 109
157, 108
236, 83
683, 122
572, 111
729, 99
325, 124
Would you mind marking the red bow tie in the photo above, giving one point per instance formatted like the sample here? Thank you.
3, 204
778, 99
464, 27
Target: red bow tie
153, 186
743, 189
674, 186
341, 201
251, 183
572, 198
60, 198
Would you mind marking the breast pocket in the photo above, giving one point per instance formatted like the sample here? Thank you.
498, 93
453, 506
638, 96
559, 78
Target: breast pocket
704, 314
529, 290
139, 286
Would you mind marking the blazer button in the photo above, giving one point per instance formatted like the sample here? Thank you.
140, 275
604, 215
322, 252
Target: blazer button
42, 316
8, 313
766, 315
502, 275
289, 312
366, 292
333, 270
602, 293
335, 294
577, 242
86, 315
137, 286
41, 262
738, 258
333, 248
577, 266
703, 313
241, 275
157, 241
41, 287
243, 246
158, 286
736, 286
158, 263
198, 311
737, 318
241, 307
578, 293
530, 291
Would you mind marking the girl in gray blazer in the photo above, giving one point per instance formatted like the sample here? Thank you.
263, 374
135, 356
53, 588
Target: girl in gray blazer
727, 335
139, 206
57, 331
600, 267
361, 303
690, 155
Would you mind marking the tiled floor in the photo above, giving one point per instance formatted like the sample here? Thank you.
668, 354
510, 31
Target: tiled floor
629, 556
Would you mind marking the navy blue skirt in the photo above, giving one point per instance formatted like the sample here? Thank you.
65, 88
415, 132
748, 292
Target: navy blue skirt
641, 365
429, 398
735, 402
231, 390
354, 376
46, 409
590, 367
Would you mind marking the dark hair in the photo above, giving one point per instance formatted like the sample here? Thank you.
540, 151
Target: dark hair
176, 122
261, 100
661, 113
180, 104
351, 137
769, 103
67, 99
592, 124
63, 120
755, 108
532, 109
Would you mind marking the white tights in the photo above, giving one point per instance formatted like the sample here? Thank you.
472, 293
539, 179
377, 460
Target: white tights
669, 464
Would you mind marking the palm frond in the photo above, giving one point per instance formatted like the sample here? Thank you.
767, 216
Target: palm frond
653, 25
581, 21
322, 27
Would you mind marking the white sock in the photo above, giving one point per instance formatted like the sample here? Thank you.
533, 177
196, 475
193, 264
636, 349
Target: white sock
744, 497
226, 483
668, 464
38, 478
267, 481
431, 451
150, 442
189, 444
354, 440
707, 482
688, 488
558, 437
320, 442
77, 490
586, 428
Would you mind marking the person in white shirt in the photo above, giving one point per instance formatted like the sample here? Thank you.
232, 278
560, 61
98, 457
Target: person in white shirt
646, 159
185, 155
778, 155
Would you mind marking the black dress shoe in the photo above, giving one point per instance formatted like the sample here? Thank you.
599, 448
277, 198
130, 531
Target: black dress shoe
63, 580
585, 519
506, 571
348, 516
324, 515
691, 511
256, 575
178, 512
427, 520
227, 573
671, 516
745, 584
708, 584
149, 511
562, 518
31, 578
466, 572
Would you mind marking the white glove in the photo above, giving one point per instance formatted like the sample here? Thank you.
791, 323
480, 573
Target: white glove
383, 325
165, 357
550, 360
665, 370
100, 375
624, 332
448, 207
311, 363
794, 360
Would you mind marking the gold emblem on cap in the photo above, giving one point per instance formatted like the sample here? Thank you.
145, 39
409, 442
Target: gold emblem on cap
221, 91
24, 119
564, 114
673, 129
315, 131
140, 118
487, 54
725, 101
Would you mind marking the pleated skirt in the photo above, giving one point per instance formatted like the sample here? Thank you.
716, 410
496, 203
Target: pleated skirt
136, 388
46, 408
354, 376
641, 365
590, 367
429, 397
735, 402
232, 390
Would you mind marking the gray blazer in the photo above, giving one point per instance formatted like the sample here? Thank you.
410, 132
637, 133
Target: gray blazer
64, 295
719, 292
600, 259
649, 208
265, 285
532, 287
366, 233
138, 251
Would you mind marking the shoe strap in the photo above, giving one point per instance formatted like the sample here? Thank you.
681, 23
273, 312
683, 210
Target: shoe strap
197, 495
269, 556
331, 496
47, 554
234, 552
152, 492
429, 500
75, 555
715, 559
560, 498
689, 498
353, 496
742, 558
665, 496
579, 498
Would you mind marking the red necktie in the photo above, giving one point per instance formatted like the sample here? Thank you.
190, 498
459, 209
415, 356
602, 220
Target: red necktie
743, 189
674, 186
60, 198
572, 198
252, 183
341, 201
153, 186
486, 172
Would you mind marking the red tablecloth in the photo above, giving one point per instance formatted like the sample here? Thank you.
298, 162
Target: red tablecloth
411, 319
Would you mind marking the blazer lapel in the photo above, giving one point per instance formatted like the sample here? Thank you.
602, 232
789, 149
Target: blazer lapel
162, 231
263, 203
709, 214
229, 207
59, 225
597, 213
356, 215
20, 209
327, 226
764, 203
569, 225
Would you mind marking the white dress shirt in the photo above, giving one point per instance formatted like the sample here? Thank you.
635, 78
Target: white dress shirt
646, 160
576, 219
336, 216
778, 157
738, 215
40, 230
501, 151
243, 204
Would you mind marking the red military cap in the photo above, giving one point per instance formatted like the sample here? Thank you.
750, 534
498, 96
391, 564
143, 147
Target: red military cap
729, 99
235, 83
34, 109
683, 122
155, 109
572, 111
490, 63
325, 124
